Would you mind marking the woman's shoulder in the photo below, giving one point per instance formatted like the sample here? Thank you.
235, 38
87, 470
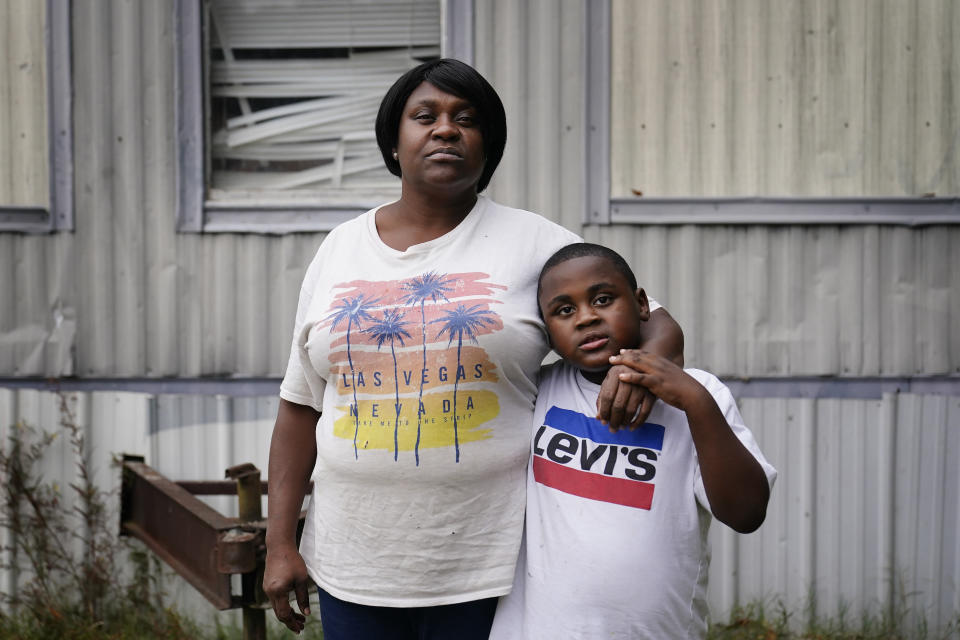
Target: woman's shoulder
523, 221
343, 237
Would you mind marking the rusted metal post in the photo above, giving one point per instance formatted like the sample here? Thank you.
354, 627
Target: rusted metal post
249, 494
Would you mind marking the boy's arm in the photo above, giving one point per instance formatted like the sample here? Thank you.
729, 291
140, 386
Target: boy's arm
735, 483
617, 403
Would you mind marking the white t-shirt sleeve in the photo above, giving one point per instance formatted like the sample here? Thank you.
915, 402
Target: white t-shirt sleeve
301, 383
728, 406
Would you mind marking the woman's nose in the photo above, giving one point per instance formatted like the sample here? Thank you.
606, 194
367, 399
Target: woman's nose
445, 128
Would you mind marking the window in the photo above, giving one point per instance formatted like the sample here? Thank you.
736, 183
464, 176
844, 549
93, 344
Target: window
36, 181
277, 102
772, 113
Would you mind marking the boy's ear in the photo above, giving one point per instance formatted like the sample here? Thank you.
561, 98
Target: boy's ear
642, 302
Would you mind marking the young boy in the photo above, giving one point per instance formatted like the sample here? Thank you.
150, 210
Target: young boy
616, 526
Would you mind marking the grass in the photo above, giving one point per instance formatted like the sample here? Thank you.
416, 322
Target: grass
771, 620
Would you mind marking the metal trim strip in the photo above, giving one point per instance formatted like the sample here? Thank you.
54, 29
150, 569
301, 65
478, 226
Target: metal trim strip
903, 211
787, 387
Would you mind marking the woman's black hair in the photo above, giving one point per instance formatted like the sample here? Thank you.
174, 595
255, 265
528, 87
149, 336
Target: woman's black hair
458, 79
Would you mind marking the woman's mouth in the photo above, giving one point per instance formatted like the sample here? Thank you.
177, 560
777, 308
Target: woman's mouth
446, 153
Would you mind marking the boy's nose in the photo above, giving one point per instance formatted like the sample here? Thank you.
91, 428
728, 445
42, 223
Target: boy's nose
586, 317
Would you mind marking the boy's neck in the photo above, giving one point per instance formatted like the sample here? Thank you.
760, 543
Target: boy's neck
596, 377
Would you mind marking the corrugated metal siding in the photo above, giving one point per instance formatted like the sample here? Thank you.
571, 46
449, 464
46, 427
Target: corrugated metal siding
815, 98
23, 94
142, 299
863, 514
786, 301
128, 296
532, 53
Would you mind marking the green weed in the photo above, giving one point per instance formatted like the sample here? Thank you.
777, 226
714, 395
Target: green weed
64, 559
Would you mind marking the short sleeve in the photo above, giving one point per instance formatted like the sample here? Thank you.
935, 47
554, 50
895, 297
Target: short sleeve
728, 406
301, 383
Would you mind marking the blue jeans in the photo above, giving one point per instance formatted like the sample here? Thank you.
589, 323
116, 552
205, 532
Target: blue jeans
348, 621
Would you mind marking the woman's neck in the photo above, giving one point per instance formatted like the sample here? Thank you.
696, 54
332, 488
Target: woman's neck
417, 218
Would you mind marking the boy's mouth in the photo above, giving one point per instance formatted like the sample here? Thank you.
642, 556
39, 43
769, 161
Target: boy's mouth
593, 342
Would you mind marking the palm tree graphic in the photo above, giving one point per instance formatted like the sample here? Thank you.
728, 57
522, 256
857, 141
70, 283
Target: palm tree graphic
462, 321
429, 286
353, 310
390, 327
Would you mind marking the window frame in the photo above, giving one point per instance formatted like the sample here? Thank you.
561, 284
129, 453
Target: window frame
602, 209
194, 214
58, 215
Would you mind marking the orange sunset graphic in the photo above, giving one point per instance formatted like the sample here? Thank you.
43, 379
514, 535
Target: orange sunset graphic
407, 364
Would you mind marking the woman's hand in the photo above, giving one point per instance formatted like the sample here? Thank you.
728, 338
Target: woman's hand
285, 572
621, 403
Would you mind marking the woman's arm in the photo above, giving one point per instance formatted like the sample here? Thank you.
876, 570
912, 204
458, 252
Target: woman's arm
663, 336
293, 452
619, 402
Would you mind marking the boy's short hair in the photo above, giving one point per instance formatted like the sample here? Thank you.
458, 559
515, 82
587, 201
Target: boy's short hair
586, 250
456, 78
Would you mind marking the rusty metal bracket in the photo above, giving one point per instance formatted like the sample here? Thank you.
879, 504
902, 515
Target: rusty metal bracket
198, 542
182, 530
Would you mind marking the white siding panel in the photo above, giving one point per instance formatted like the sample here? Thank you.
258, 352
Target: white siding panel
532, 53
867, 489
164, 310
8, 416
127, 196
183, 437
94, 173
816, 98
863, 514
24, 151
150, 301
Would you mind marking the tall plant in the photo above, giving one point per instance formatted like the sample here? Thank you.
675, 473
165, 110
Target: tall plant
64, 558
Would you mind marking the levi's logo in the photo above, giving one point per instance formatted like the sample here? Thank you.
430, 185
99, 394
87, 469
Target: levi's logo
578, 455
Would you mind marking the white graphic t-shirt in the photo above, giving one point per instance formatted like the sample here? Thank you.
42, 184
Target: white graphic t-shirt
615, 542
424, 364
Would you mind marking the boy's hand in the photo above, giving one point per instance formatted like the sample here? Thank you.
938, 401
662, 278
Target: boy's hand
622, 404
660, 376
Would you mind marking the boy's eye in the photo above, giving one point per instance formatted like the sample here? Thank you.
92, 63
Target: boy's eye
565, 310
603, 300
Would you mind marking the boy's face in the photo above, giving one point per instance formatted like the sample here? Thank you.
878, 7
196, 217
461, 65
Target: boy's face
591, 313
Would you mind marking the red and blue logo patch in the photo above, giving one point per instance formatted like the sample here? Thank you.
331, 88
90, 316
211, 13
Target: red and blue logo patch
578, 455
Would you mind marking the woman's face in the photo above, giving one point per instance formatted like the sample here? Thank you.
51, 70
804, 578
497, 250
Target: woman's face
439, 143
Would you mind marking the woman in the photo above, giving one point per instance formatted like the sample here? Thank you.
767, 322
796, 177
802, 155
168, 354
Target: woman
417, 346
